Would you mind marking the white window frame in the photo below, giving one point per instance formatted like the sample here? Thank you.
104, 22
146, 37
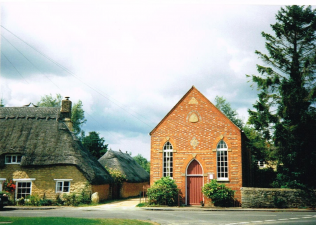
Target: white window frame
222, 158
2, 180
23, 180
62, 182
167, 168
14, 159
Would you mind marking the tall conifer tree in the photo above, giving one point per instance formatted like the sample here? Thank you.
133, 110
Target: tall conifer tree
285, 112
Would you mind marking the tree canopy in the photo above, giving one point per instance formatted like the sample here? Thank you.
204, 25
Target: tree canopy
225, 107
50, 101
285, 110
77, 112
143, 162
95, 144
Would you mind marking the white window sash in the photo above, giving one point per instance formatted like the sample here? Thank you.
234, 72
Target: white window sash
62, 186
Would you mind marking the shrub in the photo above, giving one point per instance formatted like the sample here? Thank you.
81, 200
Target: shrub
117, 176
219, 193
163, 192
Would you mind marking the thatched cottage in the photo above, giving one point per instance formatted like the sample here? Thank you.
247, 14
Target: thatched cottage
136, 176
42, 156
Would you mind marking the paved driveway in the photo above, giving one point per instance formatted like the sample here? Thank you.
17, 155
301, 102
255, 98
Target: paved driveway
120, 204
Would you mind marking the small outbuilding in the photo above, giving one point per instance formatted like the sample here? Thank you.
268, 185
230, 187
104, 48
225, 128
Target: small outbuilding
136, 176
41, 155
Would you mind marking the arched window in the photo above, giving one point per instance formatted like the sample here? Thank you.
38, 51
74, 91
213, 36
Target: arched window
167, 160
222, 161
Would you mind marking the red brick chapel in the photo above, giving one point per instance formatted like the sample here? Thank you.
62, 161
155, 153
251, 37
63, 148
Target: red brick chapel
194, 143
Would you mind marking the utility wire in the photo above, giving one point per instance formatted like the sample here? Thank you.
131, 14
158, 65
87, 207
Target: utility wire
71, 73
30, 61
14, 67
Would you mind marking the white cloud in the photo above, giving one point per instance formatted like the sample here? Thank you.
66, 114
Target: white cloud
131, 63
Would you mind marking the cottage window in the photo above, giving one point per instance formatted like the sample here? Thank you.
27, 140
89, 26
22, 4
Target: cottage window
13, 159
63, 185
222, 161
23, 187
167, 160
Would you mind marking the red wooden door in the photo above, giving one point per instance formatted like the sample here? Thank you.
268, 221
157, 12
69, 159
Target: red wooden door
194, 183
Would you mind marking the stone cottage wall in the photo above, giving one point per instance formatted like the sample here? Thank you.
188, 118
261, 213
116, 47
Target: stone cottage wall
44, 183
272, 198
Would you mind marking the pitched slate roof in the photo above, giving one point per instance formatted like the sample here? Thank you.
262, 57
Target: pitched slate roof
126, 165
42, 138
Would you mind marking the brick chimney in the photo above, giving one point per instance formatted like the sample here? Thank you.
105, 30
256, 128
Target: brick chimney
66, 112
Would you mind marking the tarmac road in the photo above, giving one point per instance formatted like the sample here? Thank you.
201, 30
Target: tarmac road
174, 215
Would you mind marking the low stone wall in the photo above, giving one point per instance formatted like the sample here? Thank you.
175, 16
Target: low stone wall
272, 198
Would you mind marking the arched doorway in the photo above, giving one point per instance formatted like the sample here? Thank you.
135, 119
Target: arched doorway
194, 183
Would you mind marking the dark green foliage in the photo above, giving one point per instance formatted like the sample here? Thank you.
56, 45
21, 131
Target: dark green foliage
224, 106
163, 192
285, 111
263, 178
143, 162
95, 144
219, 193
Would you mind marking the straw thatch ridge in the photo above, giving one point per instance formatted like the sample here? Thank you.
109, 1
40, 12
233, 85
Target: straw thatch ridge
41, 137
126, 165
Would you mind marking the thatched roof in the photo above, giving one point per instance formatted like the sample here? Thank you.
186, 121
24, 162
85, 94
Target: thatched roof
43, 139
126, 165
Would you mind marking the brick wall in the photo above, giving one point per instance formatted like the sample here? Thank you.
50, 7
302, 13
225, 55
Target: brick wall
44, 182
103, 191
131, 189
179, 127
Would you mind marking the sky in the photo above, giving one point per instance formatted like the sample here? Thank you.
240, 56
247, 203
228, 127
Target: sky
130, 62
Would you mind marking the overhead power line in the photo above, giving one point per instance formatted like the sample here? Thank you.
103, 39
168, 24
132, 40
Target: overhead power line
72, 74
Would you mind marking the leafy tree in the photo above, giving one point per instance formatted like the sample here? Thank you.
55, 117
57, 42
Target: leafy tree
225, 108
1, 103
77, 117
285, 110
143, 162
77, 113
95, 144
50, 101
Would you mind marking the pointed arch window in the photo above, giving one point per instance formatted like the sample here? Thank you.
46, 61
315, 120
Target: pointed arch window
222, 161
167, 160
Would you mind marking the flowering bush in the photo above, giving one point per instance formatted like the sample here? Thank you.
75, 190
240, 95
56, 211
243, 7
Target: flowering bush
9, 186
117, 176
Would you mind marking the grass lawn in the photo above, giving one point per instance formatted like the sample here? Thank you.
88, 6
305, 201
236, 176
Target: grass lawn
67, 221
